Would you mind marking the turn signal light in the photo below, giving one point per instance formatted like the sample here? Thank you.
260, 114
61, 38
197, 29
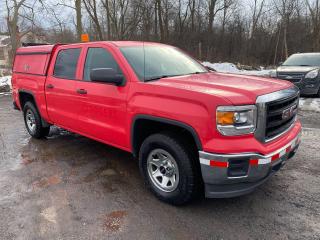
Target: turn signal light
225, 118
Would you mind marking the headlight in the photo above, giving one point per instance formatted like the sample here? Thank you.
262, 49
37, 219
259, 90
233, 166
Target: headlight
312, 74
236, 120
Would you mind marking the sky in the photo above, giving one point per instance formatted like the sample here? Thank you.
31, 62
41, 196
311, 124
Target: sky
64, 14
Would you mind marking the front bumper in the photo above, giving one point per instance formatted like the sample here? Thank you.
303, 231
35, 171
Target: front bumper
308, 88
238, 174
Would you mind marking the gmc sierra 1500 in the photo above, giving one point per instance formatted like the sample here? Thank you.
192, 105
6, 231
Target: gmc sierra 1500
192, 130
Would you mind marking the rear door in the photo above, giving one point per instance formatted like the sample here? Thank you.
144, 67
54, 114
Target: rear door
103, 106
61, 87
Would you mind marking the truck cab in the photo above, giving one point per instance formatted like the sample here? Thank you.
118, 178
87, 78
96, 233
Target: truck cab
192, 130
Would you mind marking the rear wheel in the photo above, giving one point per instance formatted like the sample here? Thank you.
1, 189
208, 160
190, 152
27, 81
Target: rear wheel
33, 121
169, 169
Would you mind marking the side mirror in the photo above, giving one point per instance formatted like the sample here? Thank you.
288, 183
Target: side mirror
280, 63
106, 75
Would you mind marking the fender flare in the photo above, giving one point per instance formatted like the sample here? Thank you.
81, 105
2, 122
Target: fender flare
27, 92
182, 125
44, 122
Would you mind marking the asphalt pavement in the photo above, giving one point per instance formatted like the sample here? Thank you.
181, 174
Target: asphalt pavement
71, 187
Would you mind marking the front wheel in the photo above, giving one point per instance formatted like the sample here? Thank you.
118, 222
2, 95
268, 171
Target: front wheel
169, 169
32, 120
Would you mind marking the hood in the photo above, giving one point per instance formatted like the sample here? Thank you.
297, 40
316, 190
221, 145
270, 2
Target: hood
296, 69
238, 89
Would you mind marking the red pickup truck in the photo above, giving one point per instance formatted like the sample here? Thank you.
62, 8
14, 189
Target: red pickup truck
193, 130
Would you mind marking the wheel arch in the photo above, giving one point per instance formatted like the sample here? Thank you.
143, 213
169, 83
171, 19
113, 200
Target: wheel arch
156, 124
26, 96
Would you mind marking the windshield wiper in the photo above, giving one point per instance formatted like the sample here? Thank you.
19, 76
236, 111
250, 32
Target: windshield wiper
211, 69
167, 76
196, 73
159, 77
192, 73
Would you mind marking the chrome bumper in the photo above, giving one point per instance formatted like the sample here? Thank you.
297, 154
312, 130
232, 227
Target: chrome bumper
237, 174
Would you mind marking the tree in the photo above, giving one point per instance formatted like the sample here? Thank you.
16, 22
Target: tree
123, 17
314, 10
92, 9
182, 17
226, 6
214, 7
257, 32
257, 8
285, 9
192, 8
76, 6
160, 19
14, 14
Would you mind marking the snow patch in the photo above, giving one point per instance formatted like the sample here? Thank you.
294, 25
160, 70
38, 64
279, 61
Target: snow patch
310, 104
5, 84
4, 40
5, 81
232, 68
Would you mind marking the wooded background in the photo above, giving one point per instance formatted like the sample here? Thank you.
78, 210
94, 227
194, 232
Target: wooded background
254, 32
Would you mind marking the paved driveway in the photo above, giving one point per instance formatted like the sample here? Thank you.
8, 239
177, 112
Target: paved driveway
70, 187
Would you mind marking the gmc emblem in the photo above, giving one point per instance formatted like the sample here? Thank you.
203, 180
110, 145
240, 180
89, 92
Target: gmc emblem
289, 112
26, 67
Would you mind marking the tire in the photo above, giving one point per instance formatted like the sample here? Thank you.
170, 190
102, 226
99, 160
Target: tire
183, 172
33, 123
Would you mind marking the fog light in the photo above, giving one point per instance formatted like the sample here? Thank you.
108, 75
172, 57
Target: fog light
238, 167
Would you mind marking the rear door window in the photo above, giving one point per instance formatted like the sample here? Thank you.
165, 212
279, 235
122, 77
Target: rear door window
66, 63
99, 58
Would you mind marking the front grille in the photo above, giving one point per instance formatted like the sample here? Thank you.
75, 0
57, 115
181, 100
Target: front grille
281, 114
291, 77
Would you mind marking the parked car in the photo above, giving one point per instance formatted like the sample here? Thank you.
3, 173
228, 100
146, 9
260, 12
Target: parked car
302, 69
192, 130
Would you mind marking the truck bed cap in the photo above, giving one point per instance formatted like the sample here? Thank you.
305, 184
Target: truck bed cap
42, 49
33, 60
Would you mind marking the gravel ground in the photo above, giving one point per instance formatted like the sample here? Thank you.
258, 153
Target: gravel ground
70, 187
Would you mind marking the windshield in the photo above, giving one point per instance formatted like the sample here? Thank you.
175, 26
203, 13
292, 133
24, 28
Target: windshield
153, 62
303, 60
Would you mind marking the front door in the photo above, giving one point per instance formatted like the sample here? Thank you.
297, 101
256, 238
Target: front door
103, 106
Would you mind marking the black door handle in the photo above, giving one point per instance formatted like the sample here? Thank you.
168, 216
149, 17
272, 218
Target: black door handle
50, 86
81, 91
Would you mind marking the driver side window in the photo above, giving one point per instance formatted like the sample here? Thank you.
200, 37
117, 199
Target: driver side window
99, 58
